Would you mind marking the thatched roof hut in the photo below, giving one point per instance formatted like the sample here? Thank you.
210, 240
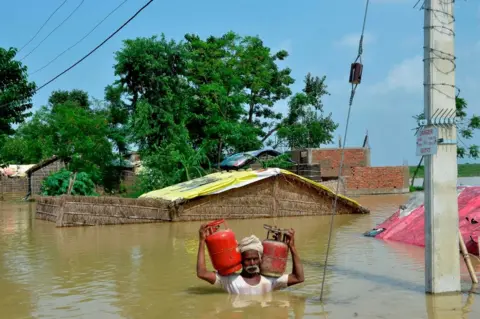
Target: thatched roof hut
269, 192
235, 195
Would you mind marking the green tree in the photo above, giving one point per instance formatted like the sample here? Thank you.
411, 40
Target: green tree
189, 103
151, 74
263, 81
306, 125
117, 115
81, 137
32, 141
15, 91
218, 108
73, 131
78, 97
466, 130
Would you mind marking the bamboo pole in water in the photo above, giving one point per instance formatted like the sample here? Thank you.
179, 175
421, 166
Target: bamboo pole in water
466, 258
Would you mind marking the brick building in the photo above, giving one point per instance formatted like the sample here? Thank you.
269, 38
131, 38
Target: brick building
358, 176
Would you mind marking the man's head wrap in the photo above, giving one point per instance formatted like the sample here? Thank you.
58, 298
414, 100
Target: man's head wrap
251, 243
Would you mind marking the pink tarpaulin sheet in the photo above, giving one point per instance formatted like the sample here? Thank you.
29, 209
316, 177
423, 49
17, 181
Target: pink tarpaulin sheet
408, 227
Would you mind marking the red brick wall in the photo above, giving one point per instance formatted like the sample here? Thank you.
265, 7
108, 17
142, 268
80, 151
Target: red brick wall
329, 160
386, 179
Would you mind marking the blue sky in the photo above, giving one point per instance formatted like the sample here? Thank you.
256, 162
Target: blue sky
321, 37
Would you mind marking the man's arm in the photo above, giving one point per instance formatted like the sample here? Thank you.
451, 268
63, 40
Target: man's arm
202, 271
296, 276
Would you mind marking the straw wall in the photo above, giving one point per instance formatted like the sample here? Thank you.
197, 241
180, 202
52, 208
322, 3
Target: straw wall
83, 211
39, 174
13, 188
280, 196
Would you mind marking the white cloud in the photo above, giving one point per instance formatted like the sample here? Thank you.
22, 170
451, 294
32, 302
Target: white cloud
352, 40
406, 76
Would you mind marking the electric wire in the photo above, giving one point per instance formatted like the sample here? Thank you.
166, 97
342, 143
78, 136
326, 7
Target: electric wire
97, 47
88, 54
342, 157
55, 29
42, 26
79, 41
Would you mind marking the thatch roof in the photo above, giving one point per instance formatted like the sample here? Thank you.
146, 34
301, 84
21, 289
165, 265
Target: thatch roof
221, 182
42, 164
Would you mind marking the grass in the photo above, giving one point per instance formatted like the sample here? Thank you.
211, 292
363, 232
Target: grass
416, 189
464, 170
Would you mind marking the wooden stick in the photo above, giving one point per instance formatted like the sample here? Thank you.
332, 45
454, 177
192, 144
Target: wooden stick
71, 183
61, 211
466, 258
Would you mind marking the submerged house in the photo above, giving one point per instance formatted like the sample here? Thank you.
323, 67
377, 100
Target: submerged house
261, 193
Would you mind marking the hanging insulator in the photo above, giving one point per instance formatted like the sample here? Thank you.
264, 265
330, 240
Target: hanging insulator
356, 73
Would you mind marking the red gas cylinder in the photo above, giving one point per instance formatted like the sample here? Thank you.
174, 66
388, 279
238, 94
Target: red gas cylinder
275, 253
222, 248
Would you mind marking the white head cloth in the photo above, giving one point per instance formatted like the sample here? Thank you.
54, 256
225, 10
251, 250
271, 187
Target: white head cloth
250, 243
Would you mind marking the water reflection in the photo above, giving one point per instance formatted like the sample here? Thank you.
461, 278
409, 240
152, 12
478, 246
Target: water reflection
448, 306
276, 305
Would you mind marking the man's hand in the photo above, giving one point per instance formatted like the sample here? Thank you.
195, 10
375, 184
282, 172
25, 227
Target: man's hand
291, 238
296, 276
202, 271
202, 232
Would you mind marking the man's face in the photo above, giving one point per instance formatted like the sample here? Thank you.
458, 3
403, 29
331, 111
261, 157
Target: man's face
251, 261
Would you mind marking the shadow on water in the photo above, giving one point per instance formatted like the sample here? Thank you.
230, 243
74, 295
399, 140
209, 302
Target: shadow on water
380, 279
273, 305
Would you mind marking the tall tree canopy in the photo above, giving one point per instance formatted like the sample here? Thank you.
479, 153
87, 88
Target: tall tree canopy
186, 104
306, 125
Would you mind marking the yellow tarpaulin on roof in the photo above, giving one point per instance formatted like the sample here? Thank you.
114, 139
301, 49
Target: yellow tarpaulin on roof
223, 181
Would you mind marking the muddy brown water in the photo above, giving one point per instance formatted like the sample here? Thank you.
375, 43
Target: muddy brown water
148, 271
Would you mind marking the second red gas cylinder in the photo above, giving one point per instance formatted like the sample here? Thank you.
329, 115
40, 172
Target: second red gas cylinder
222, 248
275, 253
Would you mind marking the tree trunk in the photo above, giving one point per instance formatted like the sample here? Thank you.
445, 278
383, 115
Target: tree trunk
250, 114
71, 183
269, 133
219, 155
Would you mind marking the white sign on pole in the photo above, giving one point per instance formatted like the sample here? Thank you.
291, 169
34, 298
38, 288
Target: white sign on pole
427, 141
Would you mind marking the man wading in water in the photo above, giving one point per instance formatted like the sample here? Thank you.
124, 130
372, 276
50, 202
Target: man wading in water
250, 282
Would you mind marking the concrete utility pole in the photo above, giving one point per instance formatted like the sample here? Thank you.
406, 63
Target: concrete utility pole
442, 262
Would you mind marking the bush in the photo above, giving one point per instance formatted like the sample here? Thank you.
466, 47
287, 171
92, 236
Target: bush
281, 161
57, 184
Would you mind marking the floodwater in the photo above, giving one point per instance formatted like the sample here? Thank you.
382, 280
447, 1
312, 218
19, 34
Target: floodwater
148, 271
471, 181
